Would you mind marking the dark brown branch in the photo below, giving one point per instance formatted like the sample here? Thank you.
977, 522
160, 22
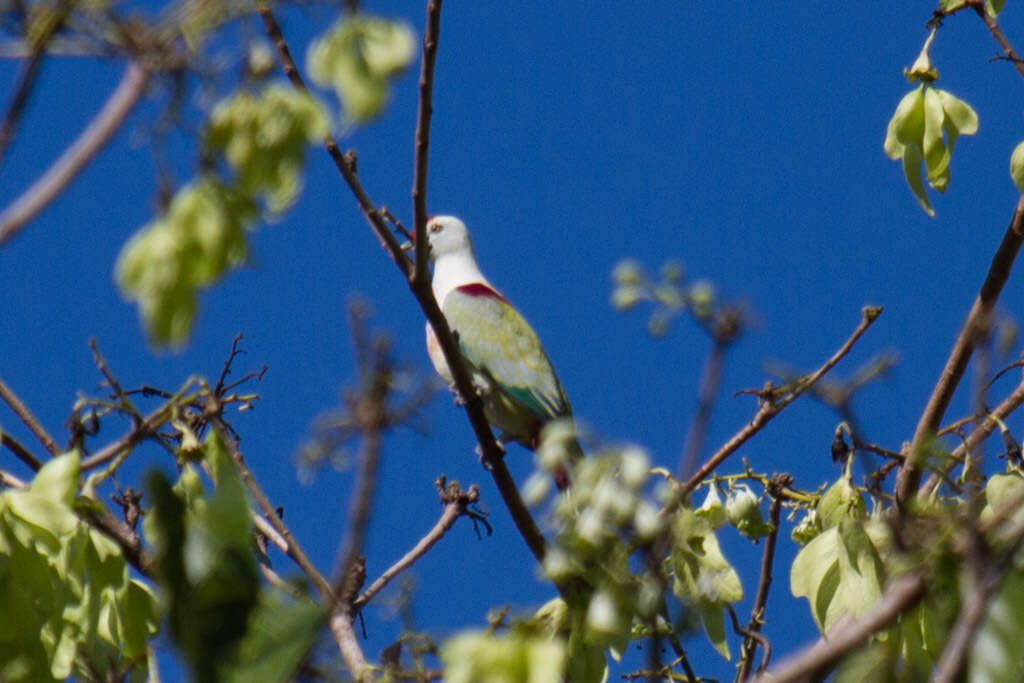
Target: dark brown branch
749, 647
431, 35
903, 593
22, 453
770, 408
977, 320
26, 416
491, 453
73, 160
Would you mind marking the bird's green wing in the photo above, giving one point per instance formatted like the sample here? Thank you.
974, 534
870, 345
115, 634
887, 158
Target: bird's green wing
495, 338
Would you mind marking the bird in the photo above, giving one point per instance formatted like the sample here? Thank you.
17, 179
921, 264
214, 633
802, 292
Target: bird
511, 371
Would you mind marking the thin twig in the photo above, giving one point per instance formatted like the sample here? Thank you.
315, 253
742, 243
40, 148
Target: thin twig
453, 509
999, 271
431, 36
75, 157
30, 420
997, 33
903, 593
22, 453
770, 408
749, 647
980, 433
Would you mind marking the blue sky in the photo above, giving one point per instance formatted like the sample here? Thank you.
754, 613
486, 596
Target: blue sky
745, 143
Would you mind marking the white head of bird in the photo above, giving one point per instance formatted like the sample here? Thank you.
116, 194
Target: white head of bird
451, 250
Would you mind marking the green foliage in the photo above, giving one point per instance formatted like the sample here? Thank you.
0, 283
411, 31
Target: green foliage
203, 232
841, 570
69, 604
484, 657
915, 132
190, 247
743, 510
359, 57
264, 137
702, 578
996, 654
1017, 166
226, 628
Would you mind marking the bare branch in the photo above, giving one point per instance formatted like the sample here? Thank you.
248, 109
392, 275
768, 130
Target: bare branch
454, 507
977, 320
431, 35
749, 646
770, 408
73, 160
26, 416
22, 453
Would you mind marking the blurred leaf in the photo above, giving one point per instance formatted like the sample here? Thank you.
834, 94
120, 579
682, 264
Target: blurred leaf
359, 57
277, 637
480, 657
996, 654
164, 264
205, 566
1017, 166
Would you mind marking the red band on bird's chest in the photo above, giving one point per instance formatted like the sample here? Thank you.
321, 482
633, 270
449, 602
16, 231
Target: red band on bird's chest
480, 289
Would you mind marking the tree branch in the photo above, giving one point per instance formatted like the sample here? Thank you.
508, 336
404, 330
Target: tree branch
977, 319
770, 408
82, 150
454, 507
491, 452
903, 593
749, 647
22, 453
26, 416
431, 36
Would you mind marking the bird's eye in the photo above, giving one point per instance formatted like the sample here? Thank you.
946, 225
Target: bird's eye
435, 227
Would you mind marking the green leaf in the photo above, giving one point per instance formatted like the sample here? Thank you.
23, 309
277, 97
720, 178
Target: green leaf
277, 637
936, 155
994, 7
358, 57
481, 657
57, 480
906, 125
1017, 166
995, 655
815, 573
712, 618
912, 158
861, 573
701, 571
